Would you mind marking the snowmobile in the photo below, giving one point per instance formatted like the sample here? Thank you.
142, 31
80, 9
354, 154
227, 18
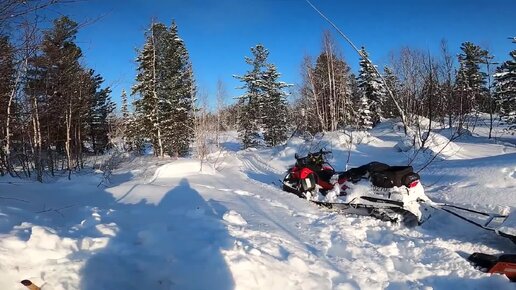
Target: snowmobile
391, 193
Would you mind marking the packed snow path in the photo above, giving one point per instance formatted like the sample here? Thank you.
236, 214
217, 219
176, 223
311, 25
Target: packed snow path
162, 224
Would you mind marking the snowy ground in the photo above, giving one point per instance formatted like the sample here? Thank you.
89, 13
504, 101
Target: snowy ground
162, 224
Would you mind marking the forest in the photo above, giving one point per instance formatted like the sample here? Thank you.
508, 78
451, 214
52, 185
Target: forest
55, 111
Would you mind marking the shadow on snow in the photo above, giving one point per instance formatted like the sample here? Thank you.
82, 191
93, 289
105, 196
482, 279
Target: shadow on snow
173, 245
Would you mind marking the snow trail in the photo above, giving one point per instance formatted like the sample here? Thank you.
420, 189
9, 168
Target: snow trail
162, 224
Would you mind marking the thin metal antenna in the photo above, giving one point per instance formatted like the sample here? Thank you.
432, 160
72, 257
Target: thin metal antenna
402, 115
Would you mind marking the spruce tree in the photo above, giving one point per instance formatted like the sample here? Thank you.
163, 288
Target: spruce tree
372, 93
251, 102
56, 86
275, 107
100, 108
166, 87
64, 101
364, 118
146, 86
505, 90
470, 84
264, 106
177, 102
393, 83
125, 106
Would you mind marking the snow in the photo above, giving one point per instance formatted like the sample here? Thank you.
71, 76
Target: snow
165, 224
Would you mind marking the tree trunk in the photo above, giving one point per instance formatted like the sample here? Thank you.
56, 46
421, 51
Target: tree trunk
68, 139
156, 108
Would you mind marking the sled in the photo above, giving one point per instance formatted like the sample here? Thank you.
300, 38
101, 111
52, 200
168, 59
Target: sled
502, 264
502, 225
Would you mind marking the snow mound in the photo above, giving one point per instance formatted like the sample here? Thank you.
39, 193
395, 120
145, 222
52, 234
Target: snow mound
181, 168
435, 142
234, 217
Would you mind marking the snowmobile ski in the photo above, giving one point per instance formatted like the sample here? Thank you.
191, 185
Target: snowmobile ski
393, 214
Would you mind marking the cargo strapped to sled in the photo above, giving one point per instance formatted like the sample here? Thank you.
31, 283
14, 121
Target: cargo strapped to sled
383, 175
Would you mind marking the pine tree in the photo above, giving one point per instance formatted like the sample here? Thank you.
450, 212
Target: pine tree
393, 83
166, 87
372, 93
64, 101
275, 107
54, 84
364, 113
470, 84
125, 106
251, 103
505, 90
178, 100
147, 87
100, 108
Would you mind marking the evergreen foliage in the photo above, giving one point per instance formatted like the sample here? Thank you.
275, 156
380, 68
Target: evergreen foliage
470, 84
372, 93
275, 108
125, 106
58, 109
393, 83
505, 89
326, 91
263, 106
165, 84
251, 102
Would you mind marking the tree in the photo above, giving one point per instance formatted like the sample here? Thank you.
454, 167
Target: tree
393, 83
372, 92
147, 87
470, 85
264, 106
166, 87
505, 89
326, 90
179, 94
275, 107
7, 94
446, 87
251, 102
64, 106
100, 108
54, 82
125, 106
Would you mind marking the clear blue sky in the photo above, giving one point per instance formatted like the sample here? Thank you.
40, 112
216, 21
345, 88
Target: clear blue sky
218, 34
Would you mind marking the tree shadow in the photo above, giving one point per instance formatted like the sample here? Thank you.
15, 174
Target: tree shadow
175, 244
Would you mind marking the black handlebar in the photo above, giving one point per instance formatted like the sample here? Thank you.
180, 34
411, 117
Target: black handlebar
321, 152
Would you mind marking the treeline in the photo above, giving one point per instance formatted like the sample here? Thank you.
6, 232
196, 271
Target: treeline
441, 88
449, 91
53, 108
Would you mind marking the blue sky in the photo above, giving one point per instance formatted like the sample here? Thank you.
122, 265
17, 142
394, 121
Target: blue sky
218, 34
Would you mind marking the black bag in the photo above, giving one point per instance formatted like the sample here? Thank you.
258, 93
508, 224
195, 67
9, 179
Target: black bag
394, 176
383, 175
355, 174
